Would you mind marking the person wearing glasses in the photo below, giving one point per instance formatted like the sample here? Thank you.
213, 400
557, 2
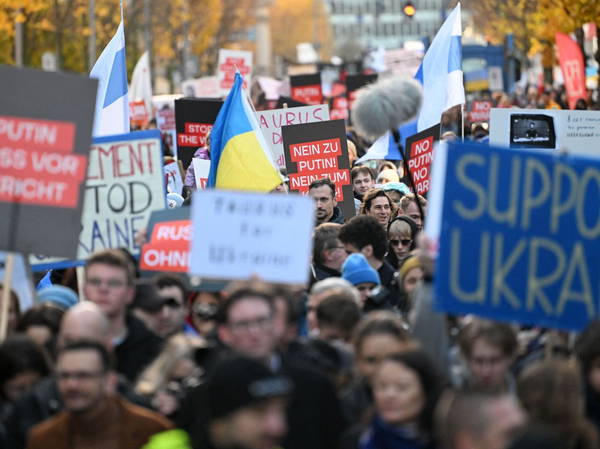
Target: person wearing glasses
109, 283
93, 416
402, 237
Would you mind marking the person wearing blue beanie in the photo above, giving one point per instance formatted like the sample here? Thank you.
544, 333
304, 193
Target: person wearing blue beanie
358, 272
58, 295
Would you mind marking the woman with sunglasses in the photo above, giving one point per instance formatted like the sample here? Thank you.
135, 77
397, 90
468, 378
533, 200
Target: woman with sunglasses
402, 233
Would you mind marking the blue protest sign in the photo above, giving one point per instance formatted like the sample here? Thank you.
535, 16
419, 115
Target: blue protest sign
519, 236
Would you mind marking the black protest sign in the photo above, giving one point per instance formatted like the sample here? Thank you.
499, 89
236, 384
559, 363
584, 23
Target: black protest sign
194, 118
306, 88
318, 150
46, 122
419, 153
354, 83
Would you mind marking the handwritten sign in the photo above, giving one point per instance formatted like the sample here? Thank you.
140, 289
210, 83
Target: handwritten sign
318, 150
576, 131
229, 62
271, 122
238, 235
45, 134
170, 238
420, 146
521, 236
201, 171
173, 177
124, 185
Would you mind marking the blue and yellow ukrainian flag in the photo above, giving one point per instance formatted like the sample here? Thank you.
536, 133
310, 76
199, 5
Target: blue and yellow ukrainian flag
240, 157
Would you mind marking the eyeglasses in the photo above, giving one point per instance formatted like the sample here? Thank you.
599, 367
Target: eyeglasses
83, 376
245, 326
110, 283
405, 242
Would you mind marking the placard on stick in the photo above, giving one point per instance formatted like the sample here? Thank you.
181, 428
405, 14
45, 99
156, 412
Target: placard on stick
420, 153
520, 236
194, 119
45, 133
170, 232
239, 235
318, 150
307, 88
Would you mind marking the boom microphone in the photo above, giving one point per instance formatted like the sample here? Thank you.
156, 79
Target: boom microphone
382, 106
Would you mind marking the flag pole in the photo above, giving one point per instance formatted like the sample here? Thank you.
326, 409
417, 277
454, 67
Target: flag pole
462, 120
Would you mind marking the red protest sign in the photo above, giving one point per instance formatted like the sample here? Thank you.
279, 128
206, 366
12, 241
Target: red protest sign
169, 247
420, 148
138, 115
480, 111
231, 61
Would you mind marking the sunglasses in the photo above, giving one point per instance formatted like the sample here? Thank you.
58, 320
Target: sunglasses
405, 242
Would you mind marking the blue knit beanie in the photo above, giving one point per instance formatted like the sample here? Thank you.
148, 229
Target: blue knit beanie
356, 270
58, 295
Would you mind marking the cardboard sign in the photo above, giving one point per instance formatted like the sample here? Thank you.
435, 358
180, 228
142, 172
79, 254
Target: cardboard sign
576, 131
480, 111
45, 133
306, 88
201, 172
270, 123
195, 119
318, 150
170, 233
173, 177
239, 235
124, 185
420, 148
521, 236
229, 62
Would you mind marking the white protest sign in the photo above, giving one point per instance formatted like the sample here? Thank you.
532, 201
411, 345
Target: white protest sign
173, 177
229, 62
124, 185
271, 121
204, 87
201, 171
238, 235
576, 131
21, 281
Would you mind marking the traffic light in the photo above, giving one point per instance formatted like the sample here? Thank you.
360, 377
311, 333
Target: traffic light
409, 9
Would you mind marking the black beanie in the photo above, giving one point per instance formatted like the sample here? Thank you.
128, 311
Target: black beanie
238, 381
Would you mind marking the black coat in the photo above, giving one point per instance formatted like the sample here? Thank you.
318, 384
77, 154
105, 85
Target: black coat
138, 350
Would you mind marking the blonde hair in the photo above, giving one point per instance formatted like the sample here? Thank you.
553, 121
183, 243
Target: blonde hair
158, 374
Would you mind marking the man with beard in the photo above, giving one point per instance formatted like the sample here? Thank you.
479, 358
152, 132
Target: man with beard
93, 417
323, 192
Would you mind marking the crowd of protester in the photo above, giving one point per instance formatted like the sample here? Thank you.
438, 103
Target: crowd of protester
356, 359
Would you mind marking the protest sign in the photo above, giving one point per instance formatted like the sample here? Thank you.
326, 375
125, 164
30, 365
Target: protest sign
231, 61
45, 133
204, 87
271, 122
402, 62
124, 185
138, 114
354, 83
173, 178
480, 111
170, 232
420, 154
201, 171
194, 119
239, 235
575, 131
520, 238
318, 150
339, 108
306, 88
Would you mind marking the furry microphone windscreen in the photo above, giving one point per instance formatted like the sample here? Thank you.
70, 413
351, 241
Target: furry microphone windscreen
384, 105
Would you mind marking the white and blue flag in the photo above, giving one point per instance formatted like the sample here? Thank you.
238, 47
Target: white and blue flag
112, 101
383, 148
441, 74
